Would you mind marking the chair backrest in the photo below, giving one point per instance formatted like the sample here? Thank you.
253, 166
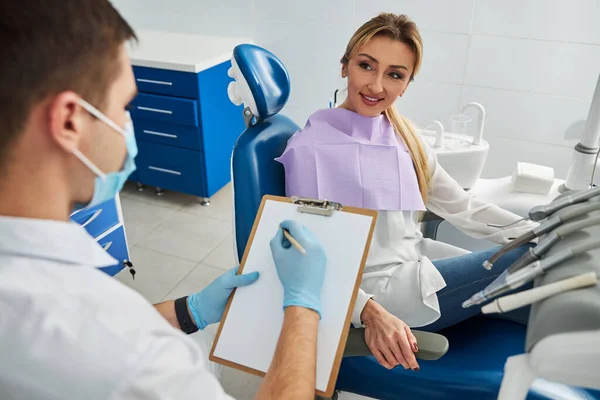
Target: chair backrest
262, 85
256, 173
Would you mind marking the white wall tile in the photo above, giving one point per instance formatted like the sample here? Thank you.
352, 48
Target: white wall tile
436, 15
444, 56
302, 43
571, 21
306, 11
127, 7
231, 18
425, 101
505, 153
535, 117
546, 83
312, 87
566, 69
298, 115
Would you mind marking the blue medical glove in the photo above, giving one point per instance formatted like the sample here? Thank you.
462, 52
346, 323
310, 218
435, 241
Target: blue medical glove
207, 307
301, 275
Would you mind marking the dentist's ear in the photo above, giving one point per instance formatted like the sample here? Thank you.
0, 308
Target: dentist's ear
66, 120
344, 70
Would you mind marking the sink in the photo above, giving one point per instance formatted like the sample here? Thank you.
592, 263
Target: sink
462, 159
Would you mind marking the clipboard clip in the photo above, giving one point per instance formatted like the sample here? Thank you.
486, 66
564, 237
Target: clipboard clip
318, 207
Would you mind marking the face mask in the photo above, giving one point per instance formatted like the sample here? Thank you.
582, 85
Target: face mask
107, 186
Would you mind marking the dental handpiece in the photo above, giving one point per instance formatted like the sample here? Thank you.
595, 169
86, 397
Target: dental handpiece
527, 297
510, 281
544, 228
535, 253
505, 282
538, 213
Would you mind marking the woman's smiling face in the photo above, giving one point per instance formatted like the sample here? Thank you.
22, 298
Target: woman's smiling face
378, 73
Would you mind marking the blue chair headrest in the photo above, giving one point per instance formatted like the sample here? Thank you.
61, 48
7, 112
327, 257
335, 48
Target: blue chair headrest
261, 82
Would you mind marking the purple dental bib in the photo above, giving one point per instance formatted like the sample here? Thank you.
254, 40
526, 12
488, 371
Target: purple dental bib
357, 161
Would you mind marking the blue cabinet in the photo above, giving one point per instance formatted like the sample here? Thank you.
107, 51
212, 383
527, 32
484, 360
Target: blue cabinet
185, 127
105, 224
171, 168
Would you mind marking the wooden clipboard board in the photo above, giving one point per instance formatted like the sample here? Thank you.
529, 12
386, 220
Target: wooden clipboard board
325, 209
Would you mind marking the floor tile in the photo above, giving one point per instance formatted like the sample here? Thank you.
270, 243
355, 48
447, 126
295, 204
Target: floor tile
156, 273
142, 218
128, 188
200, 277
220, 205
240, 385
187, 236
223, 256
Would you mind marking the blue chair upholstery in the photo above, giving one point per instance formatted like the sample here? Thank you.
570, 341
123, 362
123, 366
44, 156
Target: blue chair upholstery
472, 368
256, 173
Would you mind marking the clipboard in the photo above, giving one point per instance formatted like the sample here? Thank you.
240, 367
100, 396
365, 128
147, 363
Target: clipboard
247, 342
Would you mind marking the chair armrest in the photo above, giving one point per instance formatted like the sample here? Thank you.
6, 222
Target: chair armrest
432, 346
429, 216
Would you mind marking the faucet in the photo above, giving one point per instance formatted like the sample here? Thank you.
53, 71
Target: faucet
477, 138
439, 138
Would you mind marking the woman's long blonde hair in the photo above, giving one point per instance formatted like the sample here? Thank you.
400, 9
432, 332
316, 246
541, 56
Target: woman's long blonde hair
401, 28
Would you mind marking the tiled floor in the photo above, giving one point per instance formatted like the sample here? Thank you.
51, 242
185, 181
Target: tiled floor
178, 247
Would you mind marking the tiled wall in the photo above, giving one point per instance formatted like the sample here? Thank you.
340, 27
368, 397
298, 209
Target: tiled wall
533, 64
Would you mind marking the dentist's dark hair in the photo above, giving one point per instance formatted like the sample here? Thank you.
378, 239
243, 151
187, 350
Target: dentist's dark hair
47, 47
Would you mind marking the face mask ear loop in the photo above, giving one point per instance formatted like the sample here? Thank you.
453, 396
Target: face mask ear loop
94, 111
89, 164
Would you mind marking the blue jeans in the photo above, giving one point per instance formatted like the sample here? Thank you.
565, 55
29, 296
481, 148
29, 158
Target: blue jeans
465, 276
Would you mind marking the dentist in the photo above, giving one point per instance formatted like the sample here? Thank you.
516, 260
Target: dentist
67, 330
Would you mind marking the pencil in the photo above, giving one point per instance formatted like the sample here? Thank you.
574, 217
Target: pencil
293, 241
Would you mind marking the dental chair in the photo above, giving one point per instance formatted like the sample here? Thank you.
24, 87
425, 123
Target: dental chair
473, 366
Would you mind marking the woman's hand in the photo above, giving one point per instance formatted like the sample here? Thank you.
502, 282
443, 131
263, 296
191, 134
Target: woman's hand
389, 338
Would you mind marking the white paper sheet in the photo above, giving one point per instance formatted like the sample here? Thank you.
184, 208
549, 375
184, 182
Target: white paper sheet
251, 329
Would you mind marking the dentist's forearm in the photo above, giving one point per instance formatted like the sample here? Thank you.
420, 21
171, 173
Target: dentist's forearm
167, 310
292, 374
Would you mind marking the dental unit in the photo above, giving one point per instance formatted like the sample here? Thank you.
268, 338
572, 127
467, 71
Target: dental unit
552, 223
518, 300
535, 253
509, 281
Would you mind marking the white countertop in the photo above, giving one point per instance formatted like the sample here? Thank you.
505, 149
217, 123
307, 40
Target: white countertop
181, 51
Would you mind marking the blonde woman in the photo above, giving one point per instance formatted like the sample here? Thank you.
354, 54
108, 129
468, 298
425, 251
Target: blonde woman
366, 154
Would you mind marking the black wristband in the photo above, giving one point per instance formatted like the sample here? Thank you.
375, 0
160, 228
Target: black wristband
183, 316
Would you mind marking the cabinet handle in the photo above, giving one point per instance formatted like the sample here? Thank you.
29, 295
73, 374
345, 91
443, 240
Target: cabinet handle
156, 110
154, 82
92, 218
160, 134
168, 171
107, 246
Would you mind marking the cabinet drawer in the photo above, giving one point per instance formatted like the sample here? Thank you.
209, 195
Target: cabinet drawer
170, 134
163, 81
171, 168
114, 243
99, 219
165, 109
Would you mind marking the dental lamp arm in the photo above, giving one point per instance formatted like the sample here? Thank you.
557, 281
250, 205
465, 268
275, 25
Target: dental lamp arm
451, 202
585, 152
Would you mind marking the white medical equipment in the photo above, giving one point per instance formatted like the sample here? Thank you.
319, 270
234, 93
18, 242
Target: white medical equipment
563, 337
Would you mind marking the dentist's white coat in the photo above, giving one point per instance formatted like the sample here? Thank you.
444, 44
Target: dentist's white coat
69, 331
